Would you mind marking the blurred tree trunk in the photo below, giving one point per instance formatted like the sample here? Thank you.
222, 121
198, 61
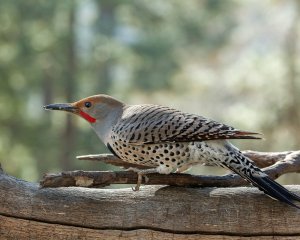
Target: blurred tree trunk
292, 114
47, 86
47, 90
290, 117
106, 27
69, 135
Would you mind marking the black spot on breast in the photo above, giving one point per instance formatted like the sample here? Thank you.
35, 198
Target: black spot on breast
111, 150
132, 137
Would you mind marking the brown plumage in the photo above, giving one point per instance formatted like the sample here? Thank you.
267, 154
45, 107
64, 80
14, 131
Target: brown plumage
146, 124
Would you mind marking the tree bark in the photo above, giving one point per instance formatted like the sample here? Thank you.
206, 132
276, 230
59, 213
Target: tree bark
69, 131
156, 212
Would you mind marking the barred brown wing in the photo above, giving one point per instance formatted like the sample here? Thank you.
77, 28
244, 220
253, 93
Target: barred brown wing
146, 124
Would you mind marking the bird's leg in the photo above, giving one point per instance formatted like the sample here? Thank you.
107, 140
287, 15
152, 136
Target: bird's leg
141, 174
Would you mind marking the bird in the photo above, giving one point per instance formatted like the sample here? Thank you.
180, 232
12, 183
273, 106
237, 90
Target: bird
168, 140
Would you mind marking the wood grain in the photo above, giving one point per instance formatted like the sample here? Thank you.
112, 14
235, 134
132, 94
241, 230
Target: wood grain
14, 228
155, 212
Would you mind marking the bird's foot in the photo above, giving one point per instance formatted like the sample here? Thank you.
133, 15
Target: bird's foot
141, 174
182, 169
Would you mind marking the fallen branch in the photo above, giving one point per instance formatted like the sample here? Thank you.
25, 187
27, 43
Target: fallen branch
261, 159
282, 163
110, 159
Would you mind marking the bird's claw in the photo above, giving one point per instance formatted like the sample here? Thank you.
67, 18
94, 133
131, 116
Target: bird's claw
139, 182
141, 174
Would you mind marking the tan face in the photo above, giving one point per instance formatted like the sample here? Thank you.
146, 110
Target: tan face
90, 108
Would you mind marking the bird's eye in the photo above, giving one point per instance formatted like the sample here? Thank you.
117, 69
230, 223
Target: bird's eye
87, 104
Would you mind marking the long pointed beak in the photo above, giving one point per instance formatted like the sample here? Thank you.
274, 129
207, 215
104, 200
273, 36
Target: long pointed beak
62, 107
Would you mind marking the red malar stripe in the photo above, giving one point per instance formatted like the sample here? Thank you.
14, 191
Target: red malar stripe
87, 117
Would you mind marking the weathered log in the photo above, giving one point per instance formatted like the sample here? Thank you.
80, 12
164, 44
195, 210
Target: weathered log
30, 212
278, 164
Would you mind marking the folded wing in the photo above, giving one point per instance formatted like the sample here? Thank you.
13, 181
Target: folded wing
147, 124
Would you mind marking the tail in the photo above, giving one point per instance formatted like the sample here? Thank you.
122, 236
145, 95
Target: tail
245, 167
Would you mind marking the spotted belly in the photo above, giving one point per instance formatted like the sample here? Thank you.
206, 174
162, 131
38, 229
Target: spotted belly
167, 155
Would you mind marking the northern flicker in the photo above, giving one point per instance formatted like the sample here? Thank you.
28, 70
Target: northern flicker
168, 140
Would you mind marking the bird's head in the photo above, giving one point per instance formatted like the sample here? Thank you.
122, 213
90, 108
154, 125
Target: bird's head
92, 109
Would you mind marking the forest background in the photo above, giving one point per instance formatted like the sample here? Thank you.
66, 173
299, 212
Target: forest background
232, 61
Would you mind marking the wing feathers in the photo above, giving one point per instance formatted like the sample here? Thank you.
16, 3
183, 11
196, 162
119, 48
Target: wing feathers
147, 124
246, 135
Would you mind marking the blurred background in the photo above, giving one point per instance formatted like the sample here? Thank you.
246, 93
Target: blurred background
232, 61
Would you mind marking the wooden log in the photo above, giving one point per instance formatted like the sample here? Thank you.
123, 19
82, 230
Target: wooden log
155, 212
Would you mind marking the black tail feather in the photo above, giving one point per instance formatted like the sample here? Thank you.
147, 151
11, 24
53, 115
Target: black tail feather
274, 190
247, 169
279, 187
271, 188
